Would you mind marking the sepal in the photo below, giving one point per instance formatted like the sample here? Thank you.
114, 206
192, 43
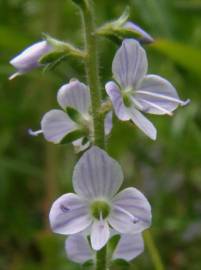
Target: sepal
60, 50
74, 115
120, 263
121, 28
72, 136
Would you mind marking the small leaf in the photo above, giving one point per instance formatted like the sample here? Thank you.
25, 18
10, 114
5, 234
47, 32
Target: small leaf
72, 136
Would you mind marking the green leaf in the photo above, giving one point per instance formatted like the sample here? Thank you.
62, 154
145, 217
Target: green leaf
72, 136
184, 55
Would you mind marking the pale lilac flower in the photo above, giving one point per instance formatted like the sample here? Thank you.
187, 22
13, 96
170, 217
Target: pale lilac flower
135, 91
56, 124
129, 247
144, 37
97, 206
29, 58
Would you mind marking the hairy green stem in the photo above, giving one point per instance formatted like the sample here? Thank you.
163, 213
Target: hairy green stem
153, 251
92, 71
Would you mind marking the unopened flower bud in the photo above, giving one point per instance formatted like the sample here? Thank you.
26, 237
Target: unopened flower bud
29, 58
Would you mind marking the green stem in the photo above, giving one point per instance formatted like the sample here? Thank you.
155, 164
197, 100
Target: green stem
153, 251
92, 71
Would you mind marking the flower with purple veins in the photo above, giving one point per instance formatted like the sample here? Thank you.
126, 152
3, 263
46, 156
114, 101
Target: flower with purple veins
96, 206
29, 58
128, 247
134, 91
56, 124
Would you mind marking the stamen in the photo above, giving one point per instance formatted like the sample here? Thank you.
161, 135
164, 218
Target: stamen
34, 133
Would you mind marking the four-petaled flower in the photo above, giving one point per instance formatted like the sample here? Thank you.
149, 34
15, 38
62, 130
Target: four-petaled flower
128, 247
56, 124
29, 58
96, 206
134, 91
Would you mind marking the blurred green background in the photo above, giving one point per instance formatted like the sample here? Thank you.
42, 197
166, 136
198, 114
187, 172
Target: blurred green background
33, 172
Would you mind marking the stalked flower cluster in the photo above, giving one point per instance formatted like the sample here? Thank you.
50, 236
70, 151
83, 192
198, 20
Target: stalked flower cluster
97, 212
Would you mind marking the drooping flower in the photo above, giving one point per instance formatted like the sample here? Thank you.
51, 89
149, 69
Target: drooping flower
96, 206
57, 124
129, 247
29, 58
134, 91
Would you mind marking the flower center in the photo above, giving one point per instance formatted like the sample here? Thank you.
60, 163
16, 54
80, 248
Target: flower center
100, 208
126, 97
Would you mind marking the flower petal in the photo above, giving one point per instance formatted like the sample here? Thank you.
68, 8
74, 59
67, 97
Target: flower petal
135, 203
108, 123
157, 95
28, 59
74, 94
100, 234
143, 123
55, 125
78, 249
129, 247
97, 175
69, 214
121, 220
114, 93
144, 36
130, 64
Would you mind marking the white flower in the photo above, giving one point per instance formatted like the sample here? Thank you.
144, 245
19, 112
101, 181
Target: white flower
28, 59
56, 124
129, 247
134, 91
96, 206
